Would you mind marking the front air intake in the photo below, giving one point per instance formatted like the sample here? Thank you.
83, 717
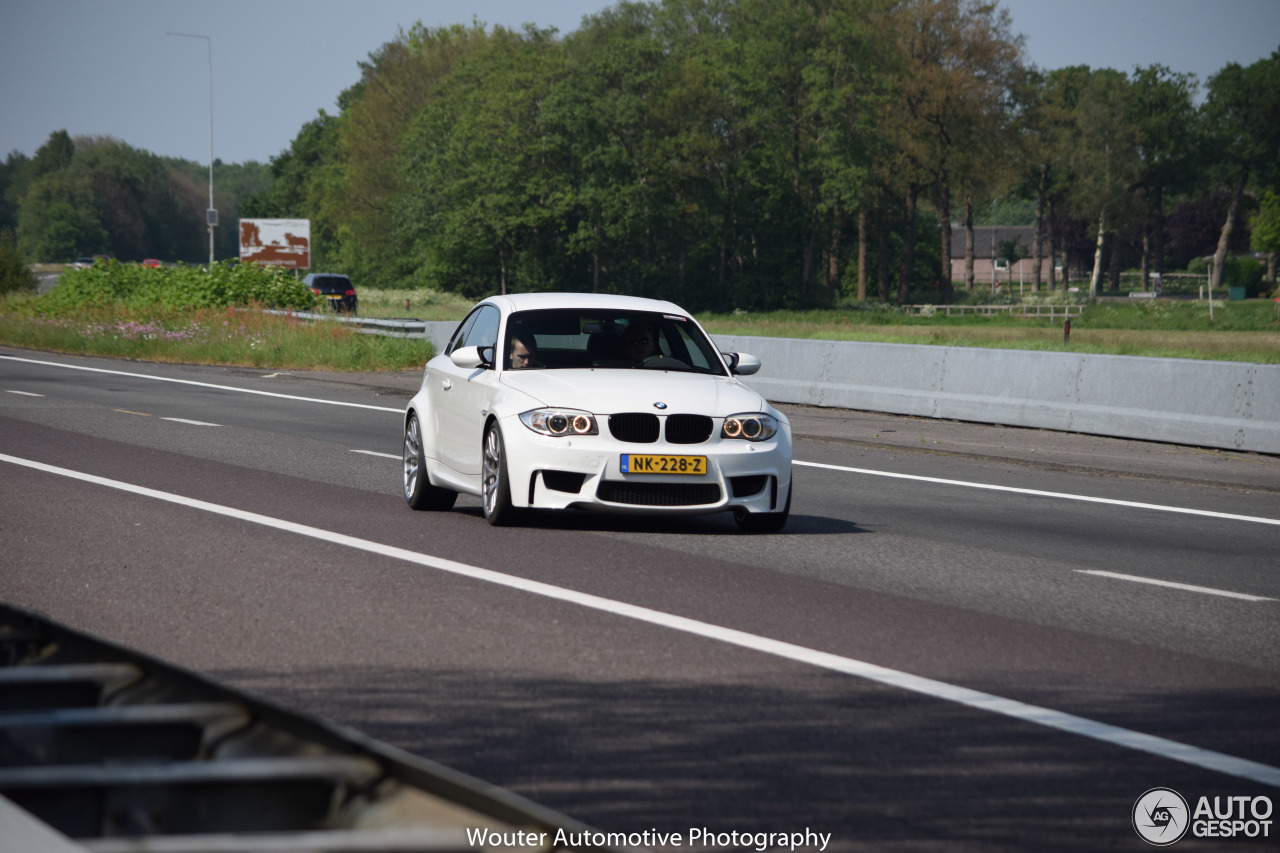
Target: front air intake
658, 494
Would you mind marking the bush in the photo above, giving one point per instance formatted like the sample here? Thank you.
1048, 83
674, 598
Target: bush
132, 286
1246, 273
15, 275
1237, 272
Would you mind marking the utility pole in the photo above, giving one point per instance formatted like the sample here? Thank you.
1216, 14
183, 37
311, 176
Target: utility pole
211, 214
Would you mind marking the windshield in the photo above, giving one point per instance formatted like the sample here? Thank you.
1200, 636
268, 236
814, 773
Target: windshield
577, 338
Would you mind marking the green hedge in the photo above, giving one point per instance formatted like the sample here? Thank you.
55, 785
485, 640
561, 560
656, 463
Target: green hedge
133, 286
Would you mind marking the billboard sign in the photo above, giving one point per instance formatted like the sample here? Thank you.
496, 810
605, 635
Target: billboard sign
276, 242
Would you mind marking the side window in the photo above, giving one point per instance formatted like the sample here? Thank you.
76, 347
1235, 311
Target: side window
484, 331
461, 334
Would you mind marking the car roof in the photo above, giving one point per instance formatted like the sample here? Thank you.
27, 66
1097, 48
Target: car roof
592, 301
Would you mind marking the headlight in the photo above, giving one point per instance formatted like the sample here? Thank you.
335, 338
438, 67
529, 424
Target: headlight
755, 426
560, 422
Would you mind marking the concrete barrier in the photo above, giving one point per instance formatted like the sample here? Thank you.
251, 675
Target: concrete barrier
1231, 405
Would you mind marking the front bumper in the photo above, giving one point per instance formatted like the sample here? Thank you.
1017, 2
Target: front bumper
585, 472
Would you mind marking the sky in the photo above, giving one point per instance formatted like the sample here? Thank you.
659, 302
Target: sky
107, 67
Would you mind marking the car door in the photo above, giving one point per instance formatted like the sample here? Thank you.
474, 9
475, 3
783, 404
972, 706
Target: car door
465, 395
437, 419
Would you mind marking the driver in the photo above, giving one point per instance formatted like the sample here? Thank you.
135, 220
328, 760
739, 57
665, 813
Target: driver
639, 342
524, 352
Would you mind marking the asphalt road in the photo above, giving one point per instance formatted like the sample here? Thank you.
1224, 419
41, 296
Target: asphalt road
954, 644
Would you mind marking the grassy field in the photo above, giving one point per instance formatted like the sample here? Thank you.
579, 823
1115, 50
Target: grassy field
417, 304
1246, 331
1241, 331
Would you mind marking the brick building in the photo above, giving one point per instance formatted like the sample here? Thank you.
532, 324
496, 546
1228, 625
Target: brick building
986, 242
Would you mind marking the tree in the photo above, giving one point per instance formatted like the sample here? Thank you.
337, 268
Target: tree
601, 116
962, 65
1031, 160
15, 275
59, 221
1100, 153
55, 155
1161, 109
849, 89
15, 177
1242, 114
482, 187
1054, 146
361, 191
109, 198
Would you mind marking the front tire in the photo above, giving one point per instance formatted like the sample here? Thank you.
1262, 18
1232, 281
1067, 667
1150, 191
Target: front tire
495, 484
418, 491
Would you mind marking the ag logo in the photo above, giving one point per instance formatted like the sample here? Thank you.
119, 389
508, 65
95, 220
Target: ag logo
1160, 816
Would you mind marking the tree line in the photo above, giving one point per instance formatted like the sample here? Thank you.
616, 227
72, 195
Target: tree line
97, 195
755, 154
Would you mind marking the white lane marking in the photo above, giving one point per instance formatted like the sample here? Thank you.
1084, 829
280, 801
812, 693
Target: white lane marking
1059, 495
376, 453
203, 384
1186, 587
186, 421
1103, 732
23, 393
1066, 496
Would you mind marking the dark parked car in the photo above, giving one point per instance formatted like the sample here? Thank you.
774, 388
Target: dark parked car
335, 288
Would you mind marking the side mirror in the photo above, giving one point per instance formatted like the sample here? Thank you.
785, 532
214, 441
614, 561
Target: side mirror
741, 363
468, 358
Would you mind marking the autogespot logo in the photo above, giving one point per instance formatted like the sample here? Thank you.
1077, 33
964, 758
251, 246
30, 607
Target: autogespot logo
1160, 816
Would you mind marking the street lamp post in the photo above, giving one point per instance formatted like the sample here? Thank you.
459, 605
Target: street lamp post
211, 215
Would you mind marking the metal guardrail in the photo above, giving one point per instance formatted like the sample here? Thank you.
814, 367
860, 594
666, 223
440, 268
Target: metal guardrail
109, 750
1053, 312
407, 328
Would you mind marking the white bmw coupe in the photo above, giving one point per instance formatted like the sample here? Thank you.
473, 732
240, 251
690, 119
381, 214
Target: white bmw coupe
588, 401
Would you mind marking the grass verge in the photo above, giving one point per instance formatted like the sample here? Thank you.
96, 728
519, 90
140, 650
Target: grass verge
226, 336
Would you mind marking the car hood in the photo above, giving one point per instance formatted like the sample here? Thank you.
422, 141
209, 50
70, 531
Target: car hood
609, 391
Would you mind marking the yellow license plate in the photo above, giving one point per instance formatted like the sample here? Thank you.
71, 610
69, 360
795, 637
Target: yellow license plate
649, 463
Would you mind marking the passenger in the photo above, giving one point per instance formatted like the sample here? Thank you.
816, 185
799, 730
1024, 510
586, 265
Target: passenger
639, 342
524, 353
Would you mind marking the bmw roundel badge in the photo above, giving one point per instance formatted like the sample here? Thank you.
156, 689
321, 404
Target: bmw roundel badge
659, 405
